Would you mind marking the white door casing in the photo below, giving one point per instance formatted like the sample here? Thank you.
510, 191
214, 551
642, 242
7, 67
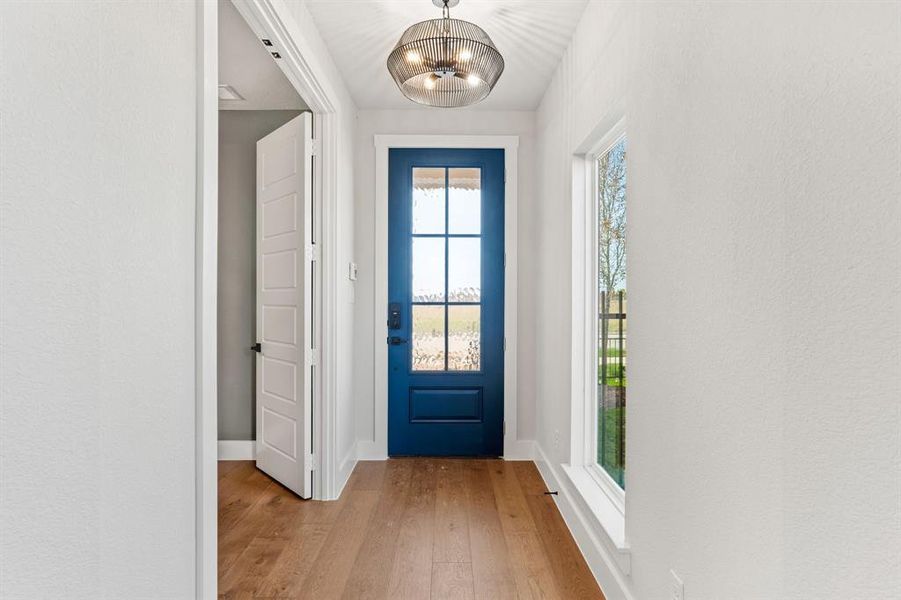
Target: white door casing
284, 301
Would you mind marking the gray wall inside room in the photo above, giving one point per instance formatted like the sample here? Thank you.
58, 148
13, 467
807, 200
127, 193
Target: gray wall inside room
238, 134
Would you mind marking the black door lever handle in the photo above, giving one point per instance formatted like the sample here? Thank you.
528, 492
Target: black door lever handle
396, 341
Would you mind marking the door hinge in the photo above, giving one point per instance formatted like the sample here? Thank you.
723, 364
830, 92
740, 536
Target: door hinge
312, 252
313, 461
505, 428
313, 357
505, 343
315, 147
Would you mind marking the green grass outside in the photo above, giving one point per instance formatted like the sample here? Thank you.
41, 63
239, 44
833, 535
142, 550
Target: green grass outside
616, 375
608, 447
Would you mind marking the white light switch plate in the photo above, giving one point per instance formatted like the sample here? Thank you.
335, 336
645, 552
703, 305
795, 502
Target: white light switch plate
677, 589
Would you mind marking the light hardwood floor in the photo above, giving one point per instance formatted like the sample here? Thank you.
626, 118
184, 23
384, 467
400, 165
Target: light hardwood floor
403, 528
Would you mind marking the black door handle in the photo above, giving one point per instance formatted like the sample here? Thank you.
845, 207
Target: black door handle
258, 347
396, 341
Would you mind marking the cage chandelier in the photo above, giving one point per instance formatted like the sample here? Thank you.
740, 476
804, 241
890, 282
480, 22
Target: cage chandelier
445, 62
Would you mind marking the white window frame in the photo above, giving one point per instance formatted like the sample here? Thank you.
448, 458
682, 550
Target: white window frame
603, 479
600, 496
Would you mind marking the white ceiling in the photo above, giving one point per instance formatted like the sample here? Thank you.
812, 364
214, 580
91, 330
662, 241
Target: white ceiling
531, 35
246, 65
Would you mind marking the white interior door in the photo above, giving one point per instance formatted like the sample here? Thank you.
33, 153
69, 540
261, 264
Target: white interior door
284, 316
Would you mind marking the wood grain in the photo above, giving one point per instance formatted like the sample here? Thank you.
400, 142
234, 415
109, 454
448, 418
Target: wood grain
452, 580
411, 528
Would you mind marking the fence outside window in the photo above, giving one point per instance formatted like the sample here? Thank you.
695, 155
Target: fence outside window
612, 380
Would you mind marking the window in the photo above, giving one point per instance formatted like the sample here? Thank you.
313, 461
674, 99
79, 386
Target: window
447, 279
610, 308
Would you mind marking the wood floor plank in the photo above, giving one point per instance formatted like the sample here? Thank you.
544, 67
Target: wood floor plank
452, 581
573, 578
369, 475
227, 466
528, 559
372, 568
402, 529
240, 490
236, 596
451, 543
531, 567
334, 561
255, 521
302, 545
253, 565
411, 573
491, 574
530, 480
511, 502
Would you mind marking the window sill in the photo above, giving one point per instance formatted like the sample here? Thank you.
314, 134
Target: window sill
606, 516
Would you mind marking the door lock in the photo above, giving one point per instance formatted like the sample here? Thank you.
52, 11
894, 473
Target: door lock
396, 341
394, 315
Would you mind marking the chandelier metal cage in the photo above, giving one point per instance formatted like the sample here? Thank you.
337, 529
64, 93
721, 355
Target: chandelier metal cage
445, 62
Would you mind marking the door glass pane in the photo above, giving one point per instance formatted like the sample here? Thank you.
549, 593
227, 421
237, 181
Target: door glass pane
428, 269
428, 338
464, 338
428, 200
465, 200
464, 276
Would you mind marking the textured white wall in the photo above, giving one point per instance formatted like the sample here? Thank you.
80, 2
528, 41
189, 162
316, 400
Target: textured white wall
764, 429
97, 155
458, 122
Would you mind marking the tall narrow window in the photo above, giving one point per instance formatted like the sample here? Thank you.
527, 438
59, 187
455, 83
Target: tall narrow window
612, 302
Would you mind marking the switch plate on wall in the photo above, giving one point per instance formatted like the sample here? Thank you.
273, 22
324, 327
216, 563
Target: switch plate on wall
677, 589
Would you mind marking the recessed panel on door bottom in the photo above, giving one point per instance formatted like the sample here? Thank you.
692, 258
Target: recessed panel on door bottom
460, 405
279, 433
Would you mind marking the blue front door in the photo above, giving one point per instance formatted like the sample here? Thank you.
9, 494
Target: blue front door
446, 302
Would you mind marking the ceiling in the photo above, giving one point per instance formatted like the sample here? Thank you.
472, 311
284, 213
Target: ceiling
246, 66
531, 35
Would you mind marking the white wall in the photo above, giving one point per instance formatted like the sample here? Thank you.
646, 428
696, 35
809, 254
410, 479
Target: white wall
458, 122
97, 156
239, 131
763, 445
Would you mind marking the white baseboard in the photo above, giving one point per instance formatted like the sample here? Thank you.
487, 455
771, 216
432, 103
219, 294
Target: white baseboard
345, 469
519, 450
607, 569
371, 450
236, 449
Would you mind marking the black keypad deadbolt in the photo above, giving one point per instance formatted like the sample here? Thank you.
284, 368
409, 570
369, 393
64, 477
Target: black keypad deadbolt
394, 315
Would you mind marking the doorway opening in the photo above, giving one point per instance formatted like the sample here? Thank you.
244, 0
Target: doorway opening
268, 298
264, 275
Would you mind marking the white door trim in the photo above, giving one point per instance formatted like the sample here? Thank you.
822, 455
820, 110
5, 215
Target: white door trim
377, 449
265, 18
205, 306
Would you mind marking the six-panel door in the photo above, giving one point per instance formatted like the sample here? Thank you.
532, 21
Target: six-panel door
284, 299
